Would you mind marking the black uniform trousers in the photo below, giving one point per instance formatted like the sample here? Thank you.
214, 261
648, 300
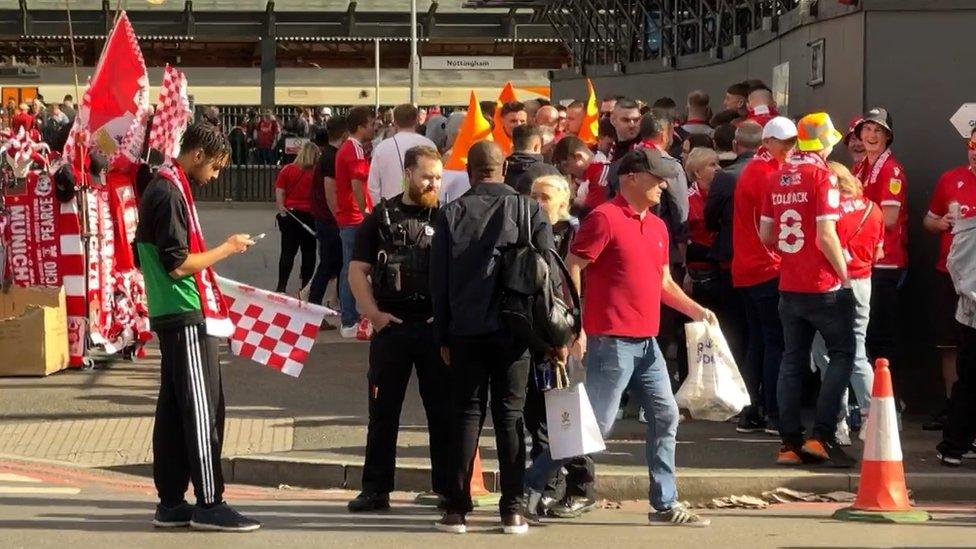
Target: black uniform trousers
189, 430
960, 428
500, 363
883, 329
393, 353
580, 472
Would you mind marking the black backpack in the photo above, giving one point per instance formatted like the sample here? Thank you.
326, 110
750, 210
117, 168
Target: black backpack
533, 296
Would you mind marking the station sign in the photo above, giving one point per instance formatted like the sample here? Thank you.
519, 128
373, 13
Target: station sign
467, 63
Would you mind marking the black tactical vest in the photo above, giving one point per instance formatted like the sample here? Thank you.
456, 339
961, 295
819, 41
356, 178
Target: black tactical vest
400, 274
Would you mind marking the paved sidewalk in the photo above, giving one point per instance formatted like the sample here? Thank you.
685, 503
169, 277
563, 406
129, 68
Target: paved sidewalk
310, 432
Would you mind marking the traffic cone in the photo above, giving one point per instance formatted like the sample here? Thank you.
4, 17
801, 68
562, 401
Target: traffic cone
881, 493
480, 496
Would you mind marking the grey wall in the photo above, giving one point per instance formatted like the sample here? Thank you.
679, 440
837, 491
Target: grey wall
841, 93
918, 64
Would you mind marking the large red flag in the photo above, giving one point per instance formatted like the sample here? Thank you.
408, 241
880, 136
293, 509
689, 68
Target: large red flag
117, 97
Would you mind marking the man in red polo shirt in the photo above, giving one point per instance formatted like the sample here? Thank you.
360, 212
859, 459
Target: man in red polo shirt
884, 183
352, 204
755, 273
623, 248
799, 218
954, 198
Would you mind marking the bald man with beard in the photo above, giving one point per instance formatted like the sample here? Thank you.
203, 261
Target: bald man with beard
547, 116
475, 342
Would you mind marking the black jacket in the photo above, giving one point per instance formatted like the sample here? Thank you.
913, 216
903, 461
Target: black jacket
521, 169
719, 206
469, 236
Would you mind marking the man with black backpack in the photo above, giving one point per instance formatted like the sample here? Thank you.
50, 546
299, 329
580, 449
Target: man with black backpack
474, 236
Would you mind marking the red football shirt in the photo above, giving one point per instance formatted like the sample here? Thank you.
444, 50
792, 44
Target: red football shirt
955, 192
351, 164
802, 193
887, 188
697, 231
752, 262
628, 255
861, 233
297, 184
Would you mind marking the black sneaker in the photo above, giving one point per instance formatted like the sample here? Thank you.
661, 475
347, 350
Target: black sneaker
514, 524
572, 507
369, 501
222, 518
831, 452
173, 517
452, 523
938, 421
949, 460
750, 425
677, 516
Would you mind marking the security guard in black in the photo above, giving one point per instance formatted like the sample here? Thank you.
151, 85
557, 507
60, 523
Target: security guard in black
389, 275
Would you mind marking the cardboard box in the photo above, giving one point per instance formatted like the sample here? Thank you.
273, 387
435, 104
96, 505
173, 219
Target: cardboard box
33, 331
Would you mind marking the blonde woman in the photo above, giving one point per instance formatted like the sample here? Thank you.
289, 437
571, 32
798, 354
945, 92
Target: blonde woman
861, 232
293, 195
553, 194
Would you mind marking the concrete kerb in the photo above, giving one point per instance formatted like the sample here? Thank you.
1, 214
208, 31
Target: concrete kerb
694, 485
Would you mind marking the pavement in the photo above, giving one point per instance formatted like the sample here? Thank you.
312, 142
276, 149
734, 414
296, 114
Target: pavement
45, 505
310, 431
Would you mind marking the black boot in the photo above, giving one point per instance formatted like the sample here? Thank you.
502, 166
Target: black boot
369, 501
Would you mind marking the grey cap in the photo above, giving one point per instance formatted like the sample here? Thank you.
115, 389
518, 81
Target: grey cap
647, 160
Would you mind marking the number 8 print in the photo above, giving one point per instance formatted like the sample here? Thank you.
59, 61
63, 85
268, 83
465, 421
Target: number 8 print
790, 225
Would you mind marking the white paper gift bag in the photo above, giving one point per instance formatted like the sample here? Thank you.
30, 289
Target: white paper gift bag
573, 430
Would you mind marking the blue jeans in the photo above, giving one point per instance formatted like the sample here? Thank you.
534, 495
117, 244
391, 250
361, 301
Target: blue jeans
765, 349
803, 315
612, 365
330, 260
862, 377
350, 316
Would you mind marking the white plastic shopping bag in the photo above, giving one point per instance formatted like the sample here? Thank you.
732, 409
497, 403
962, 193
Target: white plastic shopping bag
573, 430
714, 389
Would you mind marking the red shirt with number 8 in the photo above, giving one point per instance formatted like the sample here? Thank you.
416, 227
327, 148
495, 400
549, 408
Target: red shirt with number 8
800, 194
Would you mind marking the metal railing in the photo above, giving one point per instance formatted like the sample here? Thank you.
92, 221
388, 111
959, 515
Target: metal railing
241, 183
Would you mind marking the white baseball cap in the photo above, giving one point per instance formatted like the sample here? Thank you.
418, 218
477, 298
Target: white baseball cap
781, 128
326, 111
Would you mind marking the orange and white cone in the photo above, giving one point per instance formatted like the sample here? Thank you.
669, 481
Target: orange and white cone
480, 496
881, 494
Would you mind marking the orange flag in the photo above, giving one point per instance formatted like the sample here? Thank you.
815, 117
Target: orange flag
503, 140
591, 120
474, 128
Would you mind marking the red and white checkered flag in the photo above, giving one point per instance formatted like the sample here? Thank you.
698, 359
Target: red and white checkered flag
172, 114
270, 328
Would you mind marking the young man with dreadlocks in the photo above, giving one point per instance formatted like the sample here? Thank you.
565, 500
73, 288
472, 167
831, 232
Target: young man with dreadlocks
187, 312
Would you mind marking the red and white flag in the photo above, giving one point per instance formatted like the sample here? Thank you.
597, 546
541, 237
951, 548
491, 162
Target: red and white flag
172, 114
270, 328
117, 97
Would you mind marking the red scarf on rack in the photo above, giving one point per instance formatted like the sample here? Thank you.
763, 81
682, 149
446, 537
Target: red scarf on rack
211, 300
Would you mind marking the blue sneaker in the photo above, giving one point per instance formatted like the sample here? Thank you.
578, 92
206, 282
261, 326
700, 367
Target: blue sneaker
173, 517
222, 518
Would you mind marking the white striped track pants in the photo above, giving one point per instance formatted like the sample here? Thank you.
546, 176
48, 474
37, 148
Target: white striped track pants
189, 429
